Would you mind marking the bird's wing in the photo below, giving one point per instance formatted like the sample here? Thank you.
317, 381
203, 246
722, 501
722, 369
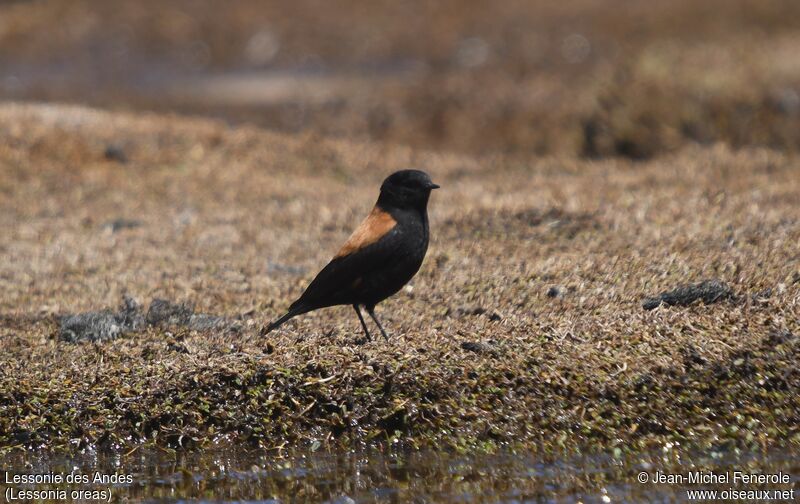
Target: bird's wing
372, 245
377, 224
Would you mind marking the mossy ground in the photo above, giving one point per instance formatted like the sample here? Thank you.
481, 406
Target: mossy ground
539, 265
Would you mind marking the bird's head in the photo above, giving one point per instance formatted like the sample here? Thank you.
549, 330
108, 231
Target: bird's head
407, 189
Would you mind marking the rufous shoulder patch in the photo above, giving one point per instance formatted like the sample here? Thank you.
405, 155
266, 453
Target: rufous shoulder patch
373, 228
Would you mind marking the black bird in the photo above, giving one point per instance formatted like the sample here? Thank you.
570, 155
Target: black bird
381, 255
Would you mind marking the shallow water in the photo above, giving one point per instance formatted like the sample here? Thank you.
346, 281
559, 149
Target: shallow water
216, 474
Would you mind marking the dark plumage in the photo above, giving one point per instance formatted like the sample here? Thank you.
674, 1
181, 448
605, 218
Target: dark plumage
381, 255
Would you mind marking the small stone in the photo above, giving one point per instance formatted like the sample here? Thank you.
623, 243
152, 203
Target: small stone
102, 325
709, 291
477, 347
115, 153
119, 224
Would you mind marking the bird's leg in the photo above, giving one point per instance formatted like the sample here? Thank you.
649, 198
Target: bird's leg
371, 311
363, 324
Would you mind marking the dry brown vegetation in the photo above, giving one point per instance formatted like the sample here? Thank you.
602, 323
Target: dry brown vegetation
633, 78
525, 324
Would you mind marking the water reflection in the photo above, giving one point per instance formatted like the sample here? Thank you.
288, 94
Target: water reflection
375, 476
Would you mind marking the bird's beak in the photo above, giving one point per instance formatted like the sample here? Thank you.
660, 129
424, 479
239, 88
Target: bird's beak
433, 186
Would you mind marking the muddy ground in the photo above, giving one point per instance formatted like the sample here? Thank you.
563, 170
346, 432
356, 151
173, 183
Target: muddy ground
543, 316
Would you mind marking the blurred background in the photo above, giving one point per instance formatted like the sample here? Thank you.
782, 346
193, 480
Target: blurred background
631, 78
